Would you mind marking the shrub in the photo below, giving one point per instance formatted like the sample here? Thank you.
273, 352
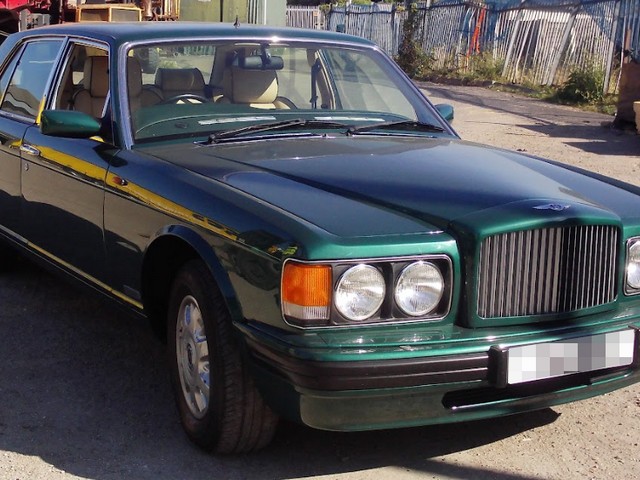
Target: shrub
411, 57
584, 85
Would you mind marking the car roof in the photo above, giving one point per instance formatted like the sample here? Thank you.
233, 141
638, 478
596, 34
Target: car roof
125, 32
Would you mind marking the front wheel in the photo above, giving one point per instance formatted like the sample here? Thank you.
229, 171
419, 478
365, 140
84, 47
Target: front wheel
220, 407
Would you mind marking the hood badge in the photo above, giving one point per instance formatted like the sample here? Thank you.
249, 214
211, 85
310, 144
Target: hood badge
556, 207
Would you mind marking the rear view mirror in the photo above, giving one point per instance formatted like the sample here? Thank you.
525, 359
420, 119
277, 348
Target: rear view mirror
260, 62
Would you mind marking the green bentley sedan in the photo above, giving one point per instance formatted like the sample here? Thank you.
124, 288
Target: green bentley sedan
307, 232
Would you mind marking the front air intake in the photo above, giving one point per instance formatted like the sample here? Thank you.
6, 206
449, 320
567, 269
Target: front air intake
545, 271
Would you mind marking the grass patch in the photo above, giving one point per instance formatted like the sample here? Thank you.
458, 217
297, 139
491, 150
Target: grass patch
582, 89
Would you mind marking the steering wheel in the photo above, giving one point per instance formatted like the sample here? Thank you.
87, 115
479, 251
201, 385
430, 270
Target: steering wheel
185, 97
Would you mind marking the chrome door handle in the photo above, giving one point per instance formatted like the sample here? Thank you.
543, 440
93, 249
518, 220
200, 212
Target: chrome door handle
29, 150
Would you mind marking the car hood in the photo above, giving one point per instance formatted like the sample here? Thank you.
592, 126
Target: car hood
374, 185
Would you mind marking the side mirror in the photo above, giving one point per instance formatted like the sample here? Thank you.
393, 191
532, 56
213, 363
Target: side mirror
68, 123
446, 111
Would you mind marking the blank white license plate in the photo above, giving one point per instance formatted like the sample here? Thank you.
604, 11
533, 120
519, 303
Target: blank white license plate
585, 354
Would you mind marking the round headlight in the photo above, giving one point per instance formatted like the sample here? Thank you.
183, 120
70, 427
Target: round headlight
633, 266
419, 289
360, 292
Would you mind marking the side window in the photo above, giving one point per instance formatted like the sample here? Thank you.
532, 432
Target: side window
363, 84
29, 80
84, 83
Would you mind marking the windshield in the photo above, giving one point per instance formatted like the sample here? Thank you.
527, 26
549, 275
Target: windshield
203, 89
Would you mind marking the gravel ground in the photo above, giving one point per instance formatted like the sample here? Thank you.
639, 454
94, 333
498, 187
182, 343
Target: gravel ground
84, 392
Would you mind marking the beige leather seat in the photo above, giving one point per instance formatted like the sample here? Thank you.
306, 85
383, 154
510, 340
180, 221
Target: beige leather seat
91, 98
255, 88
139, 96
178, 81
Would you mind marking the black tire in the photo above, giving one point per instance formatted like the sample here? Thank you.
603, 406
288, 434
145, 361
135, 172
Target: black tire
220, 407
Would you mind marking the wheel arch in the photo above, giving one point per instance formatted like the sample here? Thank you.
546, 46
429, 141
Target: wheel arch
165, 255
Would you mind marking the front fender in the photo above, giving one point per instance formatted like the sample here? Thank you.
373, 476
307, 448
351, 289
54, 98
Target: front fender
173, 245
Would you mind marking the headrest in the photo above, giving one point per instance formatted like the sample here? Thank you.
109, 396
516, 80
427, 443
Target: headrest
134, 77
96, 76
254, 86
180, 79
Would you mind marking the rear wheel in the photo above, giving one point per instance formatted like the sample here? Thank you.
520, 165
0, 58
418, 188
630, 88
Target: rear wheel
220, 407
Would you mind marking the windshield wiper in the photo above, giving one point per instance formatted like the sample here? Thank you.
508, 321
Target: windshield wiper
268, 127
402, 125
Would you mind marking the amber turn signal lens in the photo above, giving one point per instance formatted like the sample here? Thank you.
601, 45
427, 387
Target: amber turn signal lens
306, 291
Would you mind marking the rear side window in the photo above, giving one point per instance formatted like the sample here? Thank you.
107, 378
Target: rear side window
29, 79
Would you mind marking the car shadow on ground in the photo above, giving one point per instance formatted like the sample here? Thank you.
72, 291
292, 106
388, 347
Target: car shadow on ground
592, 138
83, 387
592, 131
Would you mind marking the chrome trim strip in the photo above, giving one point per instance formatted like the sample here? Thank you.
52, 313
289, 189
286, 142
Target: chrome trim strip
86, 276
68, 266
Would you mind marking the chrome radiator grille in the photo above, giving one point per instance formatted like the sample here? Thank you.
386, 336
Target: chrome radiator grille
551, 270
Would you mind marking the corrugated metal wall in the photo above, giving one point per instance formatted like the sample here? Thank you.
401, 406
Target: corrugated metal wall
305, 17
630, 27
546, 44
378, 22
540, 41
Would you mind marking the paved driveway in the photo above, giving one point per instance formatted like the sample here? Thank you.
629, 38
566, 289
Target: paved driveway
553, 131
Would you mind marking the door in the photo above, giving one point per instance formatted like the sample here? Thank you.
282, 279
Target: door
63, 178
22, 85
